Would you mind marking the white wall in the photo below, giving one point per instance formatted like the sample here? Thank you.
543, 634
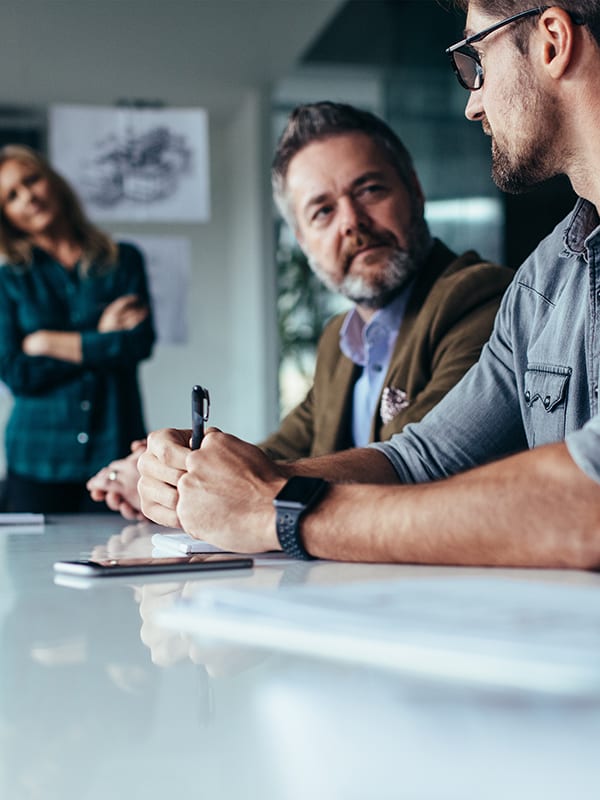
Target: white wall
231, 305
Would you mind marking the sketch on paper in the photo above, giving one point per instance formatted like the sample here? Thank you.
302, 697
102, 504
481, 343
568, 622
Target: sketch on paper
140, 164
144, 168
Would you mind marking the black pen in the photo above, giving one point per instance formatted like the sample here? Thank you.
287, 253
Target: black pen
200, 406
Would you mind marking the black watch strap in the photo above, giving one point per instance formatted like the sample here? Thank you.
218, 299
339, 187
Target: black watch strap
297, 496
288, 533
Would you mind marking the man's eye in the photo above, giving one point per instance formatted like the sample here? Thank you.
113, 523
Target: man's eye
372, 189
31, 179
322, 212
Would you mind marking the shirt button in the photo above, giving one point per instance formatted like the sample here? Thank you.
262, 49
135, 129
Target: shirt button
596, 390
546, 401
82, 438
85, 405
527, 396
377, 367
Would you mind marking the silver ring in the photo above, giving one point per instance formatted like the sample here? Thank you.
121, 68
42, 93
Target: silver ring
113, 475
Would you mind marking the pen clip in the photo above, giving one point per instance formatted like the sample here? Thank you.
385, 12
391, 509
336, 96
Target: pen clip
205, 401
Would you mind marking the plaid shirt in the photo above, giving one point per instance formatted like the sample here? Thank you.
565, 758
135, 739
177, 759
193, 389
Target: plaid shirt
69, 420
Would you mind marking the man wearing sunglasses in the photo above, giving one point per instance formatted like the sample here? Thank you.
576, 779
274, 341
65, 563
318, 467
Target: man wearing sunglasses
506, 469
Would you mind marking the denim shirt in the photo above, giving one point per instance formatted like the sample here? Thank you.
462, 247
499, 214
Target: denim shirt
536, 381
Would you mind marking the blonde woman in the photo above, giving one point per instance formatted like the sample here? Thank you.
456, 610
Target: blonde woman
75, 321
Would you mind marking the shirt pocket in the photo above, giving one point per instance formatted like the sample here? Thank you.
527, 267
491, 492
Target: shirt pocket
545, 390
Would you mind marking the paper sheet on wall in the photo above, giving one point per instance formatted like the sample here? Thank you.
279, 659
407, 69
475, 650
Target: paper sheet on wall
149, 164
511, 633
168, 262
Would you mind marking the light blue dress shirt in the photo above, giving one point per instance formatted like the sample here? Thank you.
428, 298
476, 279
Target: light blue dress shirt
370, 346
537, 379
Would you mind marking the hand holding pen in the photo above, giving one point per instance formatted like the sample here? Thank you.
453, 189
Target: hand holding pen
200, 408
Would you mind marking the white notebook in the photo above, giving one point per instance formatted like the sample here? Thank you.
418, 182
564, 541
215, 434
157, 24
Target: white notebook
21, 523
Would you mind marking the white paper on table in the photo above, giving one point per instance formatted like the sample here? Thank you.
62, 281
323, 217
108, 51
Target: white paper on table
168, 544
179, 543
22, 523
496, 631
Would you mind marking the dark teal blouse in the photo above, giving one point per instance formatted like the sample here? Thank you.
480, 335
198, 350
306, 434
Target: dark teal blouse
69, 420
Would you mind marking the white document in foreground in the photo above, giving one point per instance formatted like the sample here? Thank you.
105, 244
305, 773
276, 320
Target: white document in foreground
494, 631
21, 523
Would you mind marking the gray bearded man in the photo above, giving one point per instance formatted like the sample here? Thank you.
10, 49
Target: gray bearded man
347, 186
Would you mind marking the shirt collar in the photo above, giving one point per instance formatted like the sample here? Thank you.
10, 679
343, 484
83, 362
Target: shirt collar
354, 328
582, 225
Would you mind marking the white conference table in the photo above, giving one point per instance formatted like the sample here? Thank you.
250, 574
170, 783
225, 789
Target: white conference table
97, 701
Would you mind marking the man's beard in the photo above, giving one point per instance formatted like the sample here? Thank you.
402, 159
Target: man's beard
377, 291
522, 173
532, 163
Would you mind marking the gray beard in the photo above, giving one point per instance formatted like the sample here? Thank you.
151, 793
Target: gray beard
397, 272
400, 268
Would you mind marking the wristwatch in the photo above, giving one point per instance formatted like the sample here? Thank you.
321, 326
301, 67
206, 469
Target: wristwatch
298, 495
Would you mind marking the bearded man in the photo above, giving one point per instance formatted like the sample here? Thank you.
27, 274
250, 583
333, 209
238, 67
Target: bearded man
347, 186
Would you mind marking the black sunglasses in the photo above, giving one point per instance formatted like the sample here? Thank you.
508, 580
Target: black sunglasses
465, 60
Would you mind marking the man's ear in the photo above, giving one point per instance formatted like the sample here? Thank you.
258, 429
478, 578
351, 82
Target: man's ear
557, 30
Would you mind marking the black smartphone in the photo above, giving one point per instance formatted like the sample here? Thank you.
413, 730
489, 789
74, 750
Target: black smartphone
200, 562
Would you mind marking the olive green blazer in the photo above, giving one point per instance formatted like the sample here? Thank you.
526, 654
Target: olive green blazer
448, 319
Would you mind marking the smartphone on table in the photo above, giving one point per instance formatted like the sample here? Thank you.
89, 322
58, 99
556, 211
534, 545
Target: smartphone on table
202, 562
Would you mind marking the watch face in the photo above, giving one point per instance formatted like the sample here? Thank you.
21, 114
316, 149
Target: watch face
300, 490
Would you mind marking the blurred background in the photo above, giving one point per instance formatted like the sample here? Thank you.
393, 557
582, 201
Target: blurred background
252, 309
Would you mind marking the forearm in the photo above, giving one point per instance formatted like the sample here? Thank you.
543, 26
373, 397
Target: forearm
536, 509
118, 348
359, 465
62, 345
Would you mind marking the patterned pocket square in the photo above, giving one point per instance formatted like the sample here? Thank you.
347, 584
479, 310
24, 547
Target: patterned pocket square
393, 401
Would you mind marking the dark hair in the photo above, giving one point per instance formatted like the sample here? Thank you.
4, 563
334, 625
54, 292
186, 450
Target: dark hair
96, 246
317, 121
587, 10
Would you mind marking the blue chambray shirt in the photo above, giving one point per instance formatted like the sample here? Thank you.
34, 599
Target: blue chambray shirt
536, 381
370, 346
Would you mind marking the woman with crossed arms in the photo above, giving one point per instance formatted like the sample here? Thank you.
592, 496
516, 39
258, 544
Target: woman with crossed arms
75, 321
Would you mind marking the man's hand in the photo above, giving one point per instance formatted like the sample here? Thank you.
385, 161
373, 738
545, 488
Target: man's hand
116, 484
226, 494
160, 467
123, 314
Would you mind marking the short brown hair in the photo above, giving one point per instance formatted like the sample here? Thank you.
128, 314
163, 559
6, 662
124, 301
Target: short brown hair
317, 121
587, 10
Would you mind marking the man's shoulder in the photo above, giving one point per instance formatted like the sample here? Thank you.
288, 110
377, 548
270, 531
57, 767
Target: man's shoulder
469, 275
470, 265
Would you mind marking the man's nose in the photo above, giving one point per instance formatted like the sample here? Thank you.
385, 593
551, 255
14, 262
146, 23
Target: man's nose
474, 107
352, 217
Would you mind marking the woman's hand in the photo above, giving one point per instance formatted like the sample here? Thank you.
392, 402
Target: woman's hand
123, 314
116, 485
64, 345
36, 343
